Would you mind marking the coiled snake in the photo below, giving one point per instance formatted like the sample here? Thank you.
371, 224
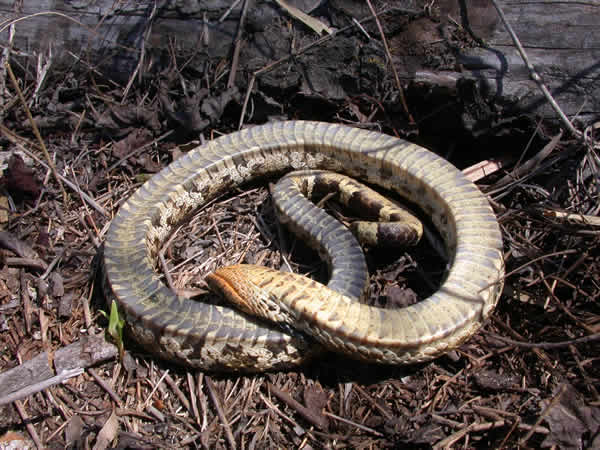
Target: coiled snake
218, 338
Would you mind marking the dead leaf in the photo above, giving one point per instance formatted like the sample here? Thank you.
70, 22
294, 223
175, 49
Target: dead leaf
136, 116
74, 432
573, 424
186, 112
20, 180
198, 110
495, 381
399, 297
129, 363
402, 265
43, 239
10, 242
56, 284
108, 432
65, 306
214, 106
315, 398
148, 164
427, 434
132, 141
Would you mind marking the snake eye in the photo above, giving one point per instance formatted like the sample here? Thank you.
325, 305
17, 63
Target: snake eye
273, 308
270, 310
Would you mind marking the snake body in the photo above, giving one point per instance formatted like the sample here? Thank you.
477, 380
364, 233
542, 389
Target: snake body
218, 338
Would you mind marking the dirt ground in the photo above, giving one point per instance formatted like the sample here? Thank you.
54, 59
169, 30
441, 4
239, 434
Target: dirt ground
528, 379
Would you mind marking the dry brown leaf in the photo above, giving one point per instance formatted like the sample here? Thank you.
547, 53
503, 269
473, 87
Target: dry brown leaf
20, 180
108, 432
572, 423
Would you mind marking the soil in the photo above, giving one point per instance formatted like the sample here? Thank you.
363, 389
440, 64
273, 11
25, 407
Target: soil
528, 379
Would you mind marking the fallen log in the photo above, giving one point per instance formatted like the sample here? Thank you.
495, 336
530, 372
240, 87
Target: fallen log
458, 48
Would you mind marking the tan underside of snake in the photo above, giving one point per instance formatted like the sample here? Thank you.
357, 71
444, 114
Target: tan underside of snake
218, 338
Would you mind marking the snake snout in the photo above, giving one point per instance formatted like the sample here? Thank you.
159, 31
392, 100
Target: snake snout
237, 285
228, 283
241, 285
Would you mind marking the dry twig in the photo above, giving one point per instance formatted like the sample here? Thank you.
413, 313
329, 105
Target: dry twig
388, 53
212, 391
38, 136
535, 76
30, 428
37, 387
317, 420
548, 345
238, 45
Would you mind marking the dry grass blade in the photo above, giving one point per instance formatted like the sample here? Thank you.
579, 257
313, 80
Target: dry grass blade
577, 218
529, 166
237, 45
217, 403
30, 428
391, 64
82, 194
316, 25
548, 345
106, 387
36, 131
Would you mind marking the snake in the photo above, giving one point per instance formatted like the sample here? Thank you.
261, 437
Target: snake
217, 337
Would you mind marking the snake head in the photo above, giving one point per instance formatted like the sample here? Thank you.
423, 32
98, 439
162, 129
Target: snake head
243, 286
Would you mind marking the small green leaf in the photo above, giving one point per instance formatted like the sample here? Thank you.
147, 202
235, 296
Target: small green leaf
115, 326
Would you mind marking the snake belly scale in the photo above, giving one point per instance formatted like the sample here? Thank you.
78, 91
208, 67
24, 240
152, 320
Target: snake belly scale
219, 338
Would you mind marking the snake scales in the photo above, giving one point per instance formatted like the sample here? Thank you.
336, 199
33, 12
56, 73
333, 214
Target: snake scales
218, 338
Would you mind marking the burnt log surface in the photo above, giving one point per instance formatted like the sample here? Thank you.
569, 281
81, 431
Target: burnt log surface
459, 47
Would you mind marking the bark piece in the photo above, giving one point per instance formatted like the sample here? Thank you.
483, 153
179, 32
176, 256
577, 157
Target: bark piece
83, 353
